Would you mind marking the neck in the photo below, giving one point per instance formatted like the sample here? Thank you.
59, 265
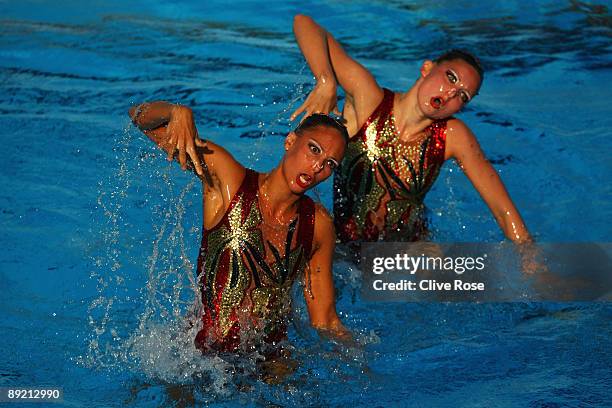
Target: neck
277, 201
409, 119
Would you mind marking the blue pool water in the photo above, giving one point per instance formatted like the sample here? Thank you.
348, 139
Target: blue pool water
100, 233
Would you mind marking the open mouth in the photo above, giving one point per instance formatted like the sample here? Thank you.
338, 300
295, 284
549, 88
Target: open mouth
436, 102
304, 180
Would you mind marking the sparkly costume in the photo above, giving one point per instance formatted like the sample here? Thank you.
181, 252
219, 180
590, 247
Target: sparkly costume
380, 186
246, 297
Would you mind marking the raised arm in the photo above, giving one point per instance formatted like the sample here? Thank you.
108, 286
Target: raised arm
172, 127
331, 65
463, 146
319, 282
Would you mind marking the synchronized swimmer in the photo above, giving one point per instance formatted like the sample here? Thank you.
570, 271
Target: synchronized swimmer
399, 141
261, 232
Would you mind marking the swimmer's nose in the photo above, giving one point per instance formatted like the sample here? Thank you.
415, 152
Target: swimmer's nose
318, 166
451, 93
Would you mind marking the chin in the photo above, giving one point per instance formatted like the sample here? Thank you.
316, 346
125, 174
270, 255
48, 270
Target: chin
295, 188
439, 114
435, 115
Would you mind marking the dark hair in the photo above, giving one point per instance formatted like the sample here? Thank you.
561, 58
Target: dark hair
465, 56
319, 119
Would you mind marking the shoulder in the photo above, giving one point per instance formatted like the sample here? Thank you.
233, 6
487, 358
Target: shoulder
324, 231
216, 153
222, 165
459, 137
456, 126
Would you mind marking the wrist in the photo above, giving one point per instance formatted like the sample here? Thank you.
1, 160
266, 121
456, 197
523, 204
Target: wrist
177, 110
326, 80
327, 86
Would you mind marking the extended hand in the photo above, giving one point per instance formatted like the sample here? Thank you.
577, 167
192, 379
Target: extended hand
182, 135
322, 99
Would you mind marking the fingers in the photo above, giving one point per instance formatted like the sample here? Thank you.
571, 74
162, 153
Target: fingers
199, 142
316, 102
192, 152
298, 111
307, 114
171, 143
182, 153
195, 159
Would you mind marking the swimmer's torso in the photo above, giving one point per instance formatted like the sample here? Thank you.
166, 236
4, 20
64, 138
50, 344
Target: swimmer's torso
246, 268
380, 186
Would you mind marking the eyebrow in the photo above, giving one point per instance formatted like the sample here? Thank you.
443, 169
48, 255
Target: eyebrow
320, 148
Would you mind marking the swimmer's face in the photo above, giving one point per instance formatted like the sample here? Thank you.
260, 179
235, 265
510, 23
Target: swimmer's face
311, 157
446, 87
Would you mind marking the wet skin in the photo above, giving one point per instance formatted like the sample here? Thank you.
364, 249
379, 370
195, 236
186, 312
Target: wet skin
311, 157
446, 88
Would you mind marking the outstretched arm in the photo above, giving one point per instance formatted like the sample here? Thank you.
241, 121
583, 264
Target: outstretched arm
319, 282
463, 146
331, 65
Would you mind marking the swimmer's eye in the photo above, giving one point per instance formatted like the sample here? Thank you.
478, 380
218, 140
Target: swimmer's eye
314, 148
332, 164
451, 76
464, 97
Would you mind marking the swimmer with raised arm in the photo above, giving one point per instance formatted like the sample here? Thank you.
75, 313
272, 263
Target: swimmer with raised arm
399, 141
260, 233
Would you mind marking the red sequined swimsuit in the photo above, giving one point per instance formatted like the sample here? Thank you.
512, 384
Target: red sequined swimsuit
380, 186
245, 272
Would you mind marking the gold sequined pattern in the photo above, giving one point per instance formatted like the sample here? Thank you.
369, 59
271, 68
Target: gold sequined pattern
385, 178
238, 280
233, 237
272, 299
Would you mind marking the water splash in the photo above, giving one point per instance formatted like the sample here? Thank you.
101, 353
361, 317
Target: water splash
146, 312
141, 305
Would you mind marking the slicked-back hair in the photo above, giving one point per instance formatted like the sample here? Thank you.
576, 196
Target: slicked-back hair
465, 56
319, 119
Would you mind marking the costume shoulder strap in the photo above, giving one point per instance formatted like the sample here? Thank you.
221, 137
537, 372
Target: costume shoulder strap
250, 184
439, 130
247, 190
383, 109
437, 145
306, 227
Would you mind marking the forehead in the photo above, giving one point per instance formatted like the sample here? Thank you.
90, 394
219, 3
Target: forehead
467, 73
328, 138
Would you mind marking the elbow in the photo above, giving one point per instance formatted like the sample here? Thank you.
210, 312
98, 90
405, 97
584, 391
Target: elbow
134, 112
301, 19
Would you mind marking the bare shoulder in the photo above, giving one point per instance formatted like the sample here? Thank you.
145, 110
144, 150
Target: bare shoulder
223, 174
459, 137
324, 231
216, 153
221, 162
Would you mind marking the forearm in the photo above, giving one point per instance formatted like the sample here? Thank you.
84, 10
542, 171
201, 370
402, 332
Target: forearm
151, 115
172, 127
463, 146
313, 42
513, 226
